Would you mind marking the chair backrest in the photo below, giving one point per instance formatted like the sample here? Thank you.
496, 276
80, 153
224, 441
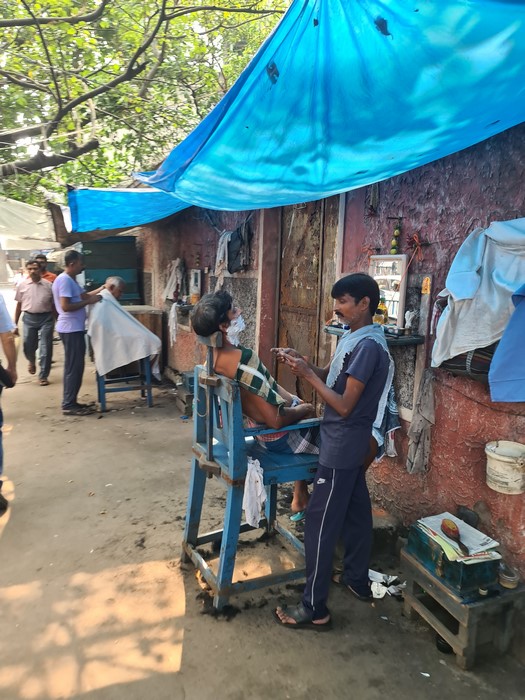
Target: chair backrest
219, 434
218, 429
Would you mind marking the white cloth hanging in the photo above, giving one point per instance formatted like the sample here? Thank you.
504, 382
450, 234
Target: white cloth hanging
172, 324
221, 259
254, 492
175, 278
487, 269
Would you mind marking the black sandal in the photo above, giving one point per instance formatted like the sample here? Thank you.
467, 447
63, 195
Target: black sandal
303, 619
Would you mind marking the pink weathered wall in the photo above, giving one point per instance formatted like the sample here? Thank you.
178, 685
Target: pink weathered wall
443, 202
191, 235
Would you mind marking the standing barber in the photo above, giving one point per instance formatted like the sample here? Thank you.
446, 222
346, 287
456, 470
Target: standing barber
70, 302
35, 298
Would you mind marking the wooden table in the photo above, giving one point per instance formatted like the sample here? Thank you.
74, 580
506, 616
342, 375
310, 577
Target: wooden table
466, 625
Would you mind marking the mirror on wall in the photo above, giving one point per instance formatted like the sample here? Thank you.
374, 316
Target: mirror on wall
389, 273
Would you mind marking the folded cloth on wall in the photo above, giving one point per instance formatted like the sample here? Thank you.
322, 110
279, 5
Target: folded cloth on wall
474, 364
487, 269
419, 433
118, 338
507, 370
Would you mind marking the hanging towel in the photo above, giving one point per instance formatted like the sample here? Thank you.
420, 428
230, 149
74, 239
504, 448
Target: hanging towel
389, 424
422, 421
176, 279
254, 492
172, 324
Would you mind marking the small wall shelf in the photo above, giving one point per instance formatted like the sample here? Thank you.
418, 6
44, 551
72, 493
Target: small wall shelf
391, 340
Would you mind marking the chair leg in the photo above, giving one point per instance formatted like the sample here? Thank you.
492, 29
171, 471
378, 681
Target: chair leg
230, 538
101, 392
194, 506
270, 508
148, 379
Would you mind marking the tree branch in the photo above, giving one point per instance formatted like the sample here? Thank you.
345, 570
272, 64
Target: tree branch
216, 8
41, 160
13, 135
22, 81
48, 55
33, 21
132, 70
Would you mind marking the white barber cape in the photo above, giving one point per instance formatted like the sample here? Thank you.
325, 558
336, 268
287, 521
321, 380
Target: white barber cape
118, 338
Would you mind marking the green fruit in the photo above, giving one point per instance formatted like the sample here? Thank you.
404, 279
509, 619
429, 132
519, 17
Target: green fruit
393, 243
393, 251
397, 232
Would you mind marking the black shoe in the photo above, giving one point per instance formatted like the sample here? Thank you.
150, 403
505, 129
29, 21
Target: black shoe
78, 411
4, 504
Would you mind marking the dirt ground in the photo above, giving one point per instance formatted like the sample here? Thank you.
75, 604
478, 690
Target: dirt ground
95, 605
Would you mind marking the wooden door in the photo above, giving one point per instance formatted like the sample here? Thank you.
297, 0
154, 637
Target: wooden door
308, 236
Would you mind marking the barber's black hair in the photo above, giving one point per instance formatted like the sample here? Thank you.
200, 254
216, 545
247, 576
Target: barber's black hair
210, 311
358, 285
71, 256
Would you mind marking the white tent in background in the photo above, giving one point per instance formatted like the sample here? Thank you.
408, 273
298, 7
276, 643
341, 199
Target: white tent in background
23, 227
19, 220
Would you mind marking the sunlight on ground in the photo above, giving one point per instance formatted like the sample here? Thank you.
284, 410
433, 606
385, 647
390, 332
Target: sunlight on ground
87, 632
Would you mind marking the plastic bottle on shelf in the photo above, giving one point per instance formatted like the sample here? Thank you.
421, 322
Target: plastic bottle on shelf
379, 317
383, 308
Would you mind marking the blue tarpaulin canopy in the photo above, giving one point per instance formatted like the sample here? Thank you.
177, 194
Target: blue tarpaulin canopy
345, 93
95, 209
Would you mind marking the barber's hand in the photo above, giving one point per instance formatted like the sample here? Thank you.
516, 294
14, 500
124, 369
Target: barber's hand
282, 352
94, 299
309, 410
297, 365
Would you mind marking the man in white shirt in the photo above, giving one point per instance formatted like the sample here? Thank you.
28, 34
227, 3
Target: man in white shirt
8, 345
34, 298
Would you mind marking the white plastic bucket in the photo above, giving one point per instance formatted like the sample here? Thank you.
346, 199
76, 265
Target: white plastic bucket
506, 466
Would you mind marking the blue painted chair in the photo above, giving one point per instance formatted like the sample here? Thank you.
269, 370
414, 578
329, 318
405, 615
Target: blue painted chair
221, 447
140, 381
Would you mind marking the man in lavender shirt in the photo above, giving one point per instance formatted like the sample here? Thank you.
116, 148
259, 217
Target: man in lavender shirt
70, 302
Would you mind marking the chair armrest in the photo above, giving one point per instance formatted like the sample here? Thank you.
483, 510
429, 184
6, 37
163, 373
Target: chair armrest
306, 423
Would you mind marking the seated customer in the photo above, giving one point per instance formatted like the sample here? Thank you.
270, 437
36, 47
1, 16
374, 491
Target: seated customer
264, 402
117, 337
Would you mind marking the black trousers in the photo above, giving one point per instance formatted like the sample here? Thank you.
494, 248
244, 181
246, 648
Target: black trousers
74, 358
338, 508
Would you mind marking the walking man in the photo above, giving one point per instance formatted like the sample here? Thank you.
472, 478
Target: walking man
70, 303
34, 298
8, 345
46, 275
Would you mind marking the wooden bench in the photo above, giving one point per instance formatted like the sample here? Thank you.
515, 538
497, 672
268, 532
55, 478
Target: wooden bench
466, 626
221, 447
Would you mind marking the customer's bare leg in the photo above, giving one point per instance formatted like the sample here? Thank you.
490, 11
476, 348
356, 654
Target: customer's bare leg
300, 496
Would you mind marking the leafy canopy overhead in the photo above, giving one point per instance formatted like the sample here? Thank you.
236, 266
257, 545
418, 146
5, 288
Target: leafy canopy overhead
91, 90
